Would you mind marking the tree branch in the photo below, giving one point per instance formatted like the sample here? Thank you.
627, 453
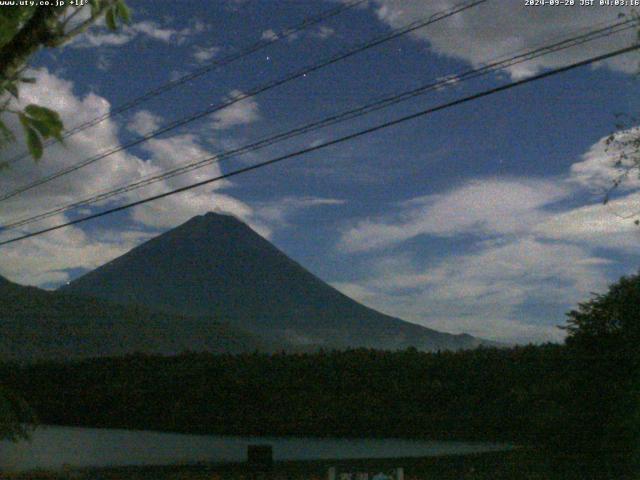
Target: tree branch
34, 33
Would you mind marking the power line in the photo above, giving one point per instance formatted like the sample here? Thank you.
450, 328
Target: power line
341, 117
383, 103
300, 73
178, 123
336, 141
253, 48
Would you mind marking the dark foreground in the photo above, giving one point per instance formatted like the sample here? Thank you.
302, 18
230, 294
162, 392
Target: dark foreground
517, 464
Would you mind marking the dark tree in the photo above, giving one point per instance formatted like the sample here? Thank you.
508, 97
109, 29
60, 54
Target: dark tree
613, 317
604, 341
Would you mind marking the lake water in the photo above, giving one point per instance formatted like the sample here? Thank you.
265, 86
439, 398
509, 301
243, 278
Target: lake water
54, 447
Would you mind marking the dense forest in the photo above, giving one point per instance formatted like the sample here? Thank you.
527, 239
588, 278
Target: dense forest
516, 394
580, 396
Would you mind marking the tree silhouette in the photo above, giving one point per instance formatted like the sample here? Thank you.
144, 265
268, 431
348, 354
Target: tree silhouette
604, 336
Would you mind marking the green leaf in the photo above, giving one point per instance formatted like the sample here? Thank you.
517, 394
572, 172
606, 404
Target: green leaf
34, 143
42, 128
43, 113
28, 80
123, 11
47, 121
110, 18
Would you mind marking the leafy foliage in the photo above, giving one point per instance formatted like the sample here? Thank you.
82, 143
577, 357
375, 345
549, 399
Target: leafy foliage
613, 316
40, 123
23, 31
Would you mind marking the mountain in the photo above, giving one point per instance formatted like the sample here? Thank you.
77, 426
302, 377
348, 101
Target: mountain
36, 325
215, 265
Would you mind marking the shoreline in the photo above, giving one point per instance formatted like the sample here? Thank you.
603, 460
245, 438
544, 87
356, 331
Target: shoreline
520, 463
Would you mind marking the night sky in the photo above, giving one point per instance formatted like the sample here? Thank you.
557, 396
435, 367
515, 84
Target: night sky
485, 218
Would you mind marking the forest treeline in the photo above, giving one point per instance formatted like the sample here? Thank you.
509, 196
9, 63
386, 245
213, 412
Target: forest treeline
480, 394
522, 394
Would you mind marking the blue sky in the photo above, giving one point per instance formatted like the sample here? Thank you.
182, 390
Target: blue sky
486, 218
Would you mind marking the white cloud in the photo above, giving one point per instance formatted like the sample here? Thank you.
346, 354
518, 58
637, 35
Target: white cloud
598, 170
482, 293
611, 225
321, 33
104, 62
177, 209
172, 211
102, 39
279, 211
198, 26
529, 244
608, 226
144, 122
204, 54
176, 74
499, 207
100, 36
43, 258
494, 29
153, 30
119, 167
488, 207
324, 32
487, 321
241, 112
447, 81
269, 35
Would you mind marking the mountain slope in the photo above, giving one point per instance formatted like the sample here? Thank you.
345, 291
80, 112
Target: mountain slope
216, 265
36, 324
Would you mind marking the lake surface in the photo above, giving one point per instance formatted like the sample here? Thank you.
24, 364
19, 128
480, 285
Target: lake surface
54, 447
